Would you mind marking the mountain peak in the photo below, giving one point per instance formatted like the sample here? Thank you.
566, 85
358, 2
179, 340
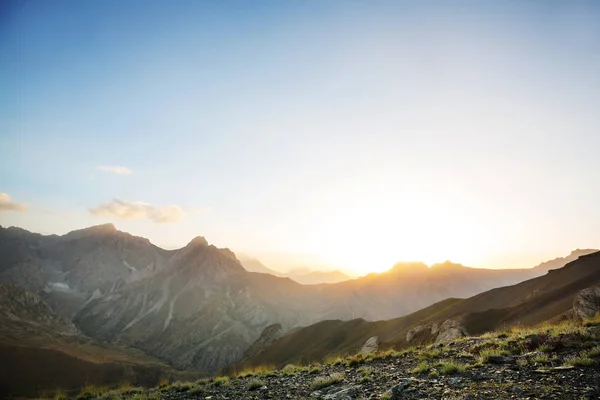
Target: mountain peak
412, 266
198, 241
104, 229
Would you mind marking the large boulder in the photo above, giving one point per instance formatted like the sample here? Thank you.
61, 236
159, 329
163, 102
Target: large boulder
370, 346
411, 333
449, 331
587, 303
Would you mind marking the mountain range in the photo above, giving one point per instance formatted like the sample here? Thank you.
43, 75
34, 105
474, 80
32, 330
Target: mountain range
198, 308
305, 276
548, 298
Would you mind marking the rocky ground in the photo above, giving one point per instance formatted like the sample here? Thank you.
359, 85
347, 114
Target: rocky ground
548, 363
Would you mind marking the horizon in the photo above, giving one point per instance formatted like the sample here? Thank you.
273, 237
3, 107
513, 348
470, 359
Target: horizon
309, 268
336, 135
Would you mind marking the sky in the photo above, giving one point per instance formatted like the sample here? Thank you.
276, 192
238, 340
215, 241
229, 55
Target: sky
336, 135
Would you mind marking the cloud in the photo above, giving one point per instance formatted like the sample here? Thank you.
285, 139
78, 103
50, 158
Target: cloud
115, 169
7, 204
138, 210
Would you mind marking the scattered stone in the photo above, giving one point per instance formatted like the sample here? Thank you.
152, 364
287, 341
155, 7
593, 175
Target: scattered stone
450, 331
370, 346
413, 332
587, 303
434, 329
344, 394
500, 359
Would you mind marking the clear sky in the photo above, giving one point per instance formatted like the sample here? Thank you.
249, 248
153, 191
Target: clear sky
343, 134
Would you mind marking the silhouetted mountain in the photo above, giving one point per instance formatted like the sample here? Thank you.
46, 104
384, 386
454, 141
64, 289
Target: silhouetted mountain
305, 276
308, 277
251, 264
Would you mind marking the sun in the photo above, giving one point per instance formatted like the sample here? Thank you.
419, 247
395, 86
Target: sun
371, 234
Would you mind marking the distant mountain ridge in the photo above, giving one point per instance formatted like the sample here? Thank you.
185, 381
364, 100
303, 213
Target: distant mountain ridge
197, 307
304, 276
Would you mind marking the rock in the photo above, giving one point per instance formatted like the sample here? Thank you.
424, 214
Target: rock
370, 346
516, 390
500, 360
587, 303
344, 394
400, 391
411, 333
434, 329
450, 331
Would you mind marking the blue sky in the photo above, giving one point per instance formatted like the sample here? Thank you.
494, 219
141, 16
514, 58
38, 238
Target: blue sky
337, 134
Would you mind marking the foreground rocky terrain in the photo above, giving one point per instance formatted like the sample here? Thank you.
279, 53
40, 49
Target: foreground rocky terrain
551, 362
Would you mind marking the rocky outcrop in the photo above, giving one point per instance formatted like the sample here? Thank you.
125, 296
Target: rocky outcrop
435, 329
370, 346
587, 303
413, 332
450, 330
25, 312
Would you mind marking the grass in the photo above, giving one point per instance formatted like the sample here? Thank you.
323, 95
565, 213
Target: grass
545, 348
314, 369
354, 360
262, 370
581, 362
593, 352
430, 354
542, 358
291, 369
389, 353
256, 384
220, 381
386, 396
451, 368
422, 368
91, 391
486, 354
325, 381
594, 321
334, 359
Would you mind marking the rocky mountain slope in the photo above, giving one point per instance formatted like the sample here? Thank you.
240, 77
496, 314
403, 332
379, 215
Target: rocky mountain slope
197, 307
41, 350
546, 298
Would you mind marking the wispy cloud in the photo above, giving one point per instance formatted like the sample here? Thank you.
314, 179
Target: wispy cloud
7, 204
115, 169
138, 210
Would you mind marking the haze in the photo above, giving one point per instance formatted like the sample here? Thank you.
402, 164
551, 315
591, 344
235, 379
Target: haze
343, 135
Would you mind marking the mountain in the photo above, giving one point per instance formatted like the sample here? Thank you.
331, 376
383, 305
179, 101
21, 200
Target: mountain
251, 264
304, 276
41, 350
545, 298
308, 277
68, 269
562, 261
197, 307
